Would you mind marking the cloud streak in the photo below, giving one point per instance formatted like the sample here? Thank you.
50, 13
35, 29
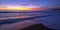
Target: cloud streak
30, 3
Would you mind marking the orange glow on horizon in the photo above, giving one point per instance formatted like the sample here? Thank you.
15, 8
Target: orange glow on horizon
19, 8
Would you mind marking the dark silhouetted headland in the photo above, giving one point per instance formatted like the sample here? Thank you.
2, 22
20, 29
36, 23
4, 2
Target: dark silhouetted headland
55, 9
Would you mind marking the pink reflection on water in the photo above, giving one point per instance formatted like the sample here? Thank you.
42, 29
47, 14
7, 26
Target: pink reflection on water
21, 17
15, 17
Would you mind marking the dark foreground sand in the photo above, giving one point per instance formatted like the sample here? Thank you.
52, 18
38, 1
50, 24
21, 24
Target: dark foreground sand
37, 27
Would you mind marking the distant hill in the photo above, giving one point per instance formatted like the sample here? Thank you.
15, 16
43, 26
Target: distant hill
55, 9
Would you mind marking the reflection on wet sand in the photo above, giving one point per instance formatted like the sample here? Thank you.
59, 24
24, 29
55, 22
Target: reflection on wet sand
18, 25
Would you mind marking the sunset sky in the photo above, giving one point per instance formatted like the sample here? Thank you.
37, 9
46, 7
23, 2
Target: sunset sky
28, 4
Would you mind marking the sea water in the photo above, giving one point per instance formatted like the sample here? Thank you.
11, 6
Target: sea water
51, 21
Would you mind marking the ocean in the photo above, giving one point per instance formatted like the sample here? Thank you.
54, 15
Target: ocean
50, 19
